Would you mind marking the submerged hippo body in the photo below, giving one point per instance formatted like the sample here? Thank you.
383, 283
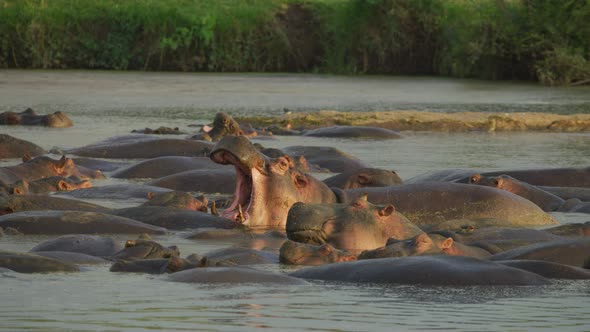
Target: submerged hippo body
142, 146
163, 166
20, 203
72, 257
364, 177
504, 238
221, 181
30, 118
12, 147
545, 200
50, 184
354, 227
433, 204
423, 270
566, 193
233, 275
160, 131
99, 164
75, 222
93, 245
242, 256
265, 188
153, 266
326, 157
297, 253
575, 229
30, 263
42, 167
177, 200
549, 269
174, 218
116, 191
145, 249
570, 252
353, 132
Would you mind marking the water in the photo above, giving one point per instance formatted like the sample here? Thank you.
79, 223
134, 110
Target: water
104, 104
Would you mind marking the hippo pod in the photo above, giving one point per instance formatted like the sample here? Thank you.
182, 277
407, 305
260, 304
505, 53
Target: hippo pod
29, 118
423, 270
353, 132
12, 147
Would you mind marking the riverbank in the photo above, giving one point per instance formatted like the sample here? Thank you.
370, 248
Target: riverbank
546, 41
431, 121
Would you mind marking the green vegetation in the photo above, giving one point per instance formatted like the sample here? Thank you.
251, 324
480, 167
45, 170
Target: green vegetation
543, 40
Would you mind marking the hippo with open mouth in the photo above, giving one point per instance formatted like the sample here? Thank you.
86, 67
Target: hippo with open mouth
254, 204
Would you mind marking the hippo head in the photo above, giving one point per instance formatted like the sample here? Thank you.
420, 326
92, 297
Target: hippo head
357, 226
57, 120
178, 200
504, 182
421, 244
265, 187
20, 187
297, 253
223, 125
145, 249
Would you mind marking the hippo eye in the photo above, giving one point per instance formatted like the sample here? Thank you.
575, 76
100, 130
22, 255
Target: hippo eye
496, 182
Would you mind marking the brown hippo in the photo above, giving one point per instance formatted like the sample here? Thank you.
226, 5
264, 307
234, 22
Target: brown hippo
174, 218
353, 132
265, 188
93, 245
546, 201
297, 253
433, 205
30, 263
12, 147
74, 222
424, 244
163, 166
43, 167
353, 227
160, 131
28, 117
50, 184
223, 125
326, 157
145, 249
142, 146
177, 200
222, 181
569, 251
423, 270
548, 269
116, 191
233, 275
364, 177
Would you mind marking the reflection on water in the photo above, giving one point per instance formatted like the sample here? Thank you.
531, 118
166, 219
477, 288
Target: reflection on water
99, 300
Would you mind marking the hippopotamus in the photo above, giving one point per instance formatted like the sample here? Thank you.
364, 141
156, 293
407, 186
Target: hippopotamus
546, 201
222, 181
233, 275
93, 245
242, 256
160, 131
265, 188
74, 222
434, 205
424, 244
423, 270
42, 167
154, 266
12, 147
99, 164
223, 125
297, 253
326, 157
177, 200
116, 191
364, 177
19, 203
145, 249
575, 229
353, 227
142, 146
30, 263
50, 184
353, 132
174, 218
548, 269
28, 117
163, 166
72, 257
566, 193
569, 251
499, 239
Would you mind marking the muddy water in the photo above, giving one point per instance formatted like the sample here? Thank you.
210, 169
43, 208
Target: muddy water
104, 105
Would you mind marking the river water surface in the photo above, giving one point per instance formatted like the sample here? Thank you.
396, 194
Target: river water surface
105, 104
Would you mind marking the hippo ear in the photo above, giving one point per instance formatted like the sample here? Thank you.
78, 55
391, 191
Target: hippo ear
26, 157
363, 179
386, 210
446, 244
497, 181
150, 195
63, 186
475, 178
18, 191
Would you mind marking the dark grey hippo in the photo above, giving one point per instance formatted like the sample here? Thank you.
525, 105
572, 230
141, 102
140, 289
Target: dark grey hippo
142, 146
29, 117
364, 177
423, 270
41, 167
566, 193
93, 245
12, 147
549, 269
21, 203
159, 131
297, 253
30, 263
49, 184
116, 191
163, 166
75, 222
100, 164
242, 256
569, 251
72, 257
233, 275
326, 157
353, 132
498, 239
223, 125
154, 266
221, 181
575, 229
145, 249
174, 218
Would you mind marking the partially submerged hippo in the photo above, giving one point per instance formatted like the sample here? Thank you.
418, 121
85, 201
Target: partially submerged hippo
354, 227
221, 181
570, 252
297, 253
163, 166
42, 167
177, 200
72, 257
326, 157
145, 249
154, 266
353, 132
364, 177
423, 270
12, 147
223, 125
116, 191
242, 256
233, 275
50, 184
575, 229
548, 269
160, 131
498, 239
28, 117
142, 146
93, 245
20, 203
30, 263
265, 188
545, 200
174, 218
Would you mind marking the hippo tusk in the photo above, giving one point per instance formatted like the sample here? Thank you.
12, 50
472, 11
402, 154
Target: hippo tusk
214, 209
240, 216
